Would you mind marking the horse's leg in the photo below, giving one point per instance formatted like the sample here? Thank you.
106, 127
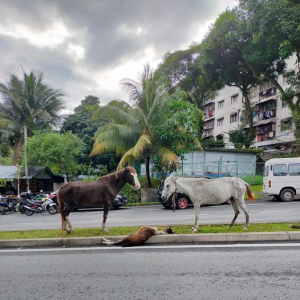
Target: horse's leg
105, 213
236, 211
243, 206
158, 232
196, 209
68, 223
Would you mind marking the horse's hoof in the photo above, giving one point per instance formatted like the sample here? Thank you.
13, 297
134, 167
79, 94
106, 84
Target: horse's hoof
194, 230
70, 231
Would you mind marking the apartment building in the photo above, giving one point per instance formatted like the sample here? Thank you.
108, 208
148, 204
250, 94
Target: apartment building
271, 116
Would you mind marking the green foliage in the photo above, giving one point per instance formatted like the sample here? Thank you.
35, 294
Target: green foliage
253, 180
84, 125
237, 138
57, 151
135, 196
27, 102
211, 143
117, 231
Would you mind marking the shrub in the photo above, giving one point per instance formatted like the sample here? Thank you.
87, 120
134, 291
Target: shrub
253, 180
135, 196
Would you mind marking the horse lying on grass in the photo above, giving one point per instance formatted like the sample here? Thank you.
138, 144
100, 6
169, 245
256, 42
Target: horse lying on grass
99, 192
138, 238
211, 191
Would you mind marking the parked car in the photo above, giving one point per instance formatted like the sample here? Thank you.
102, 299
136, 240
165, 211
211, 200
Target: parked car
182, 200
120, 200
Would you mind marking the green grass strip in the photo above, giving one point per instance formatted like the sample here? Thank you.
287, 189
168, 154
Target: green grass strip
186, 229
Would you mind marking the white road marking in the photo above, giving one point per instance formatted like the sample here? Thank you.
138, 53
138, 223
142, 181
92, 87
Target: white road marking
104, 248
275, 211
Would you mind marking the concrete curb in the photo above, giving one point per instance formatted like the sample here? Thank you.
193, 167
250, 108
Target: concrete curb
161, 239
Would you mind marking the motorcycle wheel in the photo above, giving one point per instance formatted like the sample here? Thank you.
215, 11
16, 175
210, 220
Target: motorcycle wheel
22, 210
51, 210
29, 212
2, 212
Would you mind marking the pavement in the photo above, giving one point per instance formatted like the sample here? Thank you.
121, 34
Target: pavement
161, 239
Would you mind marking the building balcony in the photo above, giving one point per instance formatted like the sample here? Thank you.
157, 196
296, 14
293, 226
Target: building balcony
270, 92
208, 133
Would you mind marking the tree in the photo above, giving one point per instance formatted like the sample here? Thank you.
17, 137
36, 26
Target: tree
131, 131
82, 123
57, 151
222, 57
28, 105
180, 70
274, 27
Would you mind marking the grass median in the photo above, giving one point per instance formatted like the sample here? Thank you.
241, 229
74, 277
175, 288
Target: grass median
113, 231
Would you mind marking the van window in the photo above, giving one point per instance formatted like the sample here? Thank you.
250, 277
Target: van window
280, 170
294, 169
266, 171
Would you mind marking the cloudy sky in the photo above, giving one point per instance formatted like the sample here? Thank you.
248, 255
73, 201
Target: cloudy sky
88, 47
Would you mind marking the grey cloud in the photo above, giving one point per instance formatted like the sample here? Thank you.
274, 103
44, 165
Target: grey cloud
96, 25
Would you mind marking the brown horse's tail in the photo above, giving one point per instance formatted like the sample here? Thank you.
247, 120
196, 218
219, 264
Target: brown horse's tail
251, 195
61, 207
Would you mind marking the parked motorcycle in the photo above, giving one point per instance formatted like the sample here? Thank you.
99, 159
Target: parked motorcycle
7, 204
45, 205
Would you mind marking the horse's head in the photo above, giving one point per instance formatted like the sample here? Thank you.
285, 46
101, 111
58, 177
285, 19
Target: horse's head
132, 178
169, 187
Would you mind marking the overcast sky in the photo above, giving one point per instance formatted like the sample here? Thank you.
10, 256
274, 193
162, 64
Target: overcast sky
88, 47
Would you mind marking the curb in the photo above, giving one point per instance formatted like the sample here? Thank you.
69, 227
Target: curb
161, 239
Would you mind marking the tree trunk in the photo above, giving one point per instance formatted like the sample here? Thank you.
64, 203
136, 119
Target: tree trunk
148, 172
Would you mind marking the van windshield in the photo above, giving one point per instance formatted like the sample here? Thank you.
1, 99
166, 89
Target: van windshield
280, 170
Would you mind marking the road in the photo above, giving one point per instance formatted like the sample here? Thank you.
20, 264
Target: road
260, 211
227, 272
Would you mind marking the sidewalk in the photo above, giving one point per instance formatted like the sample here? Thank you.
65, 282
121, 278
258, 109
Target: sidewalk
161, 239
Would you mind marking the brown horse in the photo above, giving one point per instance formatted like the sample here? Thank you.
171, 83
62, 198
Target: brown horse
102, 191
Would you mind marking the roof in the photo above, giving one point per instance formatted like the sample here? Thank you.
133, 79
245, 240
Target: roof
8, 172
285, 160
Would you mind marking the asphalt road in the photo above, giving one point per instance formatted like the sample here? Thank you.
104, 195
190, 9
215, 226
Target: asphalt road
227, 272
260, 211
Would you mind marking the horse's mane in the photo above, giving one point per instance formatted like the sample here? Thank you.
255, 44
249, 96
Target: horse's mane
115, 175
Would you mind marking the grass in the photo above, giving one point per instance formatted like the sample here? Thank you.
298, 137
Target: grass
113, 231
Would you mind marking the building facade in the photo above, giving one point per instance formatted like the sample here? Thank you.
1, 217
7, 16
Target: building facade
271, 116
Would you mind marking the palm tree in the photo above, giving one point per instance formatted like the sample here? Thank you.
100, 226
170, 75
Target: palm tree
130, 132
28, 105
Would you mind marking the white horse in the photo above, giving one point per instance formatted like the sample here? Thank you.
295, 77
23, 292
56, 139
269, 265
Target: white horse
211, 191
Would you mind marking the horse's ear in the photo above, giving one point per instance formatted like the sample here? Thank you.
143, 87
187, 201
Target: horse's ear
126, 169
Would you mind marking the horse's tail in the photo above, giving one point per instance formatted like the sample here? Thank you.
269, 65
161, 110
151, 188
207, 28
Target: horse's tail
251, 195
61, 207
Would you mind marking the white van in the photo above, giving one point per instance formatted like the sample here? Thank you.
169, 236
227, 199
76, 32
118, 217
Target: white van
282, 178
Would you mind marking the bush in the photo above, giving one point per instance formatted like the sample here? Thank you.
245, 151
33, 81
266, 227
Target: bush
253, 180
135, 196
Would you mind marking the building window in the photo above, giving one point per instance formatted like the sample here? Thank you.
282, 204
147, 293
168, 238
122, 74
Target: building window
234, 99
286, 124
284, 103
220, 122
221, 104
233, 118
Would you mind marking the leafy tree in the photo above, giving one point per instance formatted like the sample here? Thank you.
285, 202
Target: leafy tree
131, 131
180, 70
57, 151
82, 123
28, 105
274, 27
237, 138
211, 143
222, 57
